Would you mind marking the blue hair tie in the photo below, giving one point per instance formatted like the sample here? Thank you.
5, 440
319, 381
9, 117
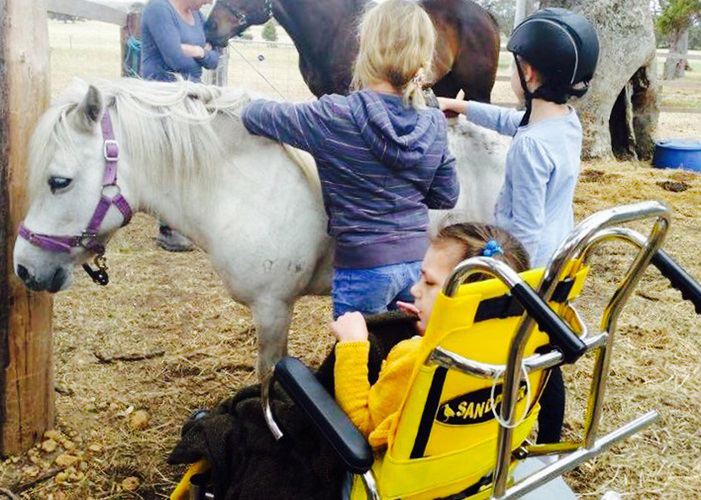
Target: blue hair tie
492, 248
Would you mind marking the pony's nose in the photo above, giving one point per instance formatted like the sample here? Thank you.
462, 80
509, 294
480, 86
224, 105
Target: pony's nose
23, 273
28, 278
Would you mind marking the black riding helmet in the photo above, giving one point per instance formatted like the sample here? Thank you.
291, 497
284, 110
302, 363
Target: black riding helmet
563, 47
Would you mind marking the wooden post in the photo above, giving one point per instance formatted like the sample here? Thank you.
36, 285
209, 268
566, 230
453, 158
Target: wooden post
131, 28
26, 366
222, 71
220, 75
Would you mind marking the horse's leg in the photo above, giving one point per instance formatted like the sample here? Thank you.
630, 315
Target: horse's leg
446, 86
272, 320
452, 83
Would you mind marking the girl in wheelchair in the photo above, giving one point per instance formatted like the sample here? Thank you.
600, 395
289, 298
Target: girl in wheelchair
372, 408
368, 369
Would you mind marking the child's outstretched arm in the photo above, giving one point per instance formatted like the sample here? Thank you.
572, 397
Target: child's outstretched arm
303, 125
503, 120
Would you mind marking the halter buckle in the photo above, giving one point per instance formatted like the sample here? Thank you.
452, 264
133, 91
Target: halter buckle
110, 150
89, 242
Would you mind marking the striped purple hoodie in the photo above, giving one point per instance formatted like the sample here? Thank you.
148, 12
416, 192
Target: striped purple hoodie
382, 166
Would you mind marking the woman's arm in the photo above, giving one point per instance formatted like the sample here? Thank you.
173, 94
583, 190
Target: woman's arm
205, 56
211, 57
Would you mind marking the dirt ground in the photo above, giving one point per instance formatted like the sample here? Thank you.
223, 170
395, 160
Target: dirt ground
117, 421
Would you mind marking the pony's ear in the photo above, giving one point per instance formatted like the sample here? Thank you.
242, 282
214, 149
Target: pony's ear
89, 111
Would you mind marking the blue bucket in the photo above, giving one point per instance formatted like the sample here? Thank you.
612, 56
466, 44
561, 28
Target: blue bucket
678, 153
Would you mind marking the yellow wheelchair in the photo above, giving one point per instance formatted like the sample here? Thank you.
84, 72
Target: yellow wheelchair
486, 353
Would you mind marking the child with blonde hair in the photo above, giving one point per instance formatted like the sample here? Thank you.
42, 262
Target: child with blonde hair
382, 157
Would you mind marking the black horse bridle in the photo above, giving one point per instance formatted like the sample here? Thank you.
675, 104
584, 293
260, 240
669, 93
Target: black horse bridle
242, 17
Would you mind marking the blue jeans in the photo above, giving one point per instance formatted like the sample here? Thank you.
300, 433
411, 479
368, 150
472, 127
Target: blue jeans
375, 289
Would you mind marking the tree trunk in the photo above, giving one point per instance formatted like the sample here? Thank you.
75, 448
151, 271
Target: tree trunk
619, 113
531, 6
675, 64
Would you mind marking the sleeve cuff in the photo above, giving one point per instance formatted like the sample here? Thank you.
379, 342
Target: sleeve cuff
355, 346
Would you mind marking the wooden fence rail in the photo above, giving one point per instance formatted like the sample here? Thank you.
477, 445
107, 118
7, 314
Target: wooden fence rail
127, 21
88, 10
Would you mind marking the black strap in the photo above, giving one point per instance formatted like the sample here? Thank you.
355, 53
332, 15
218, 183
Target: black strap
429, 413
507, 306
527, 95
470, 490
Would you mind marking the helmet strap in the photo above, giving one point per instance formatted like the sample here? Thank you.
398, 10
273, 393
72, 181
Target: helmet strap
527, 94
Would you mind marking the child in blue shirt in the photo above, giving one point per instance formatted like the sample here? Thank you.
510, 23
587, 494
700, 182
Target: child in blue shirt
555, 52
382, 157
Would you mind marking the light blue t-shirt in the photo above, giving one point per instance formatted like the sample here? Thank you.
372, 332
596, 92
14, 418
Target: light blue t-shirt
542, 165
162, 32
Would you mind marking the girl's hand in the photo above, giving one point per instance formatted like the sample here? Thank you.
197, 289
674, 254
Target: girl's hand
451, 107
350, 327
408, 308
192, 50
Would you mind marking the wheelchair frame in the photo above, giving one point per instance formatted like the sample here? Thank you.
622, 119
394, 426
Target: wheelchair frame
578, 247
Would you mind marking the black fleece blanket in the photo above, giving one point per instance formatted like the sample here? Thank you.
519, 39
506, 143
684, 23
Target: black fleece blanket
247, 462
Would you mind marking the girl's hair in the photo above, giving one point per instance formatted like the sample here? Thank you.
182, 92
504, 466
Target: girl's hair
397, 40
474, 237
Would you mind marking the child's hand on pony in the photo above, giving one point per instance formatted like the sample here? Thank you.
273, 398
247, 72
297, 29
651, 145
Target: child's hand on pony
350, 327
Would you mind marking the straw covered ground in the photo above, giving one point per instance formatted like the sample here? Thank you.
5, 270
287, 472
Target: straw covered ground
118, 420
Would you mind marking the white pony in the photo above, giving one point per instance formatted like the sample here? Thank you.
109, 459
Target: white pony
186, 158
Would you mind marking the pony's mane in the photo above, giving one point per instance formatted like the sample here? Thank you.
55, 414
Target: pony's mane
168, 128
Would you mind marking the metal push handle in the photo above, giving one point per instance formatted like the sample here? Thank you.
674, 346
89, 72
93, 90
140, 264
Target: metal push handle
680, 279
564, 339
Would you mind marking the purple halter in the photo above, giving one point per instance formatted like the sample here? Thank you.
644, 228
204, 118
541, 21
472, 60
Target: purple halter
88, 239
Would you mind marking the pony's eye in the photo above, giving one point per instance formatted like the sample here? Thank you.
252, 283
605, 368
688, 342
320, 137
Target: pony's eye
58, 183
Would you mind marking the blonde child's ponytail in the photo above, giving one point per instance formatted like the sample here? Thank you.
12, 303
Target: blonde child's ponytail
397, 42
412, 93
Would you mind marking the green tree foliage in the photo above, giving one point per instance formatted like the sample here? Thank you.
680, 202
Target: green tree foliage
678, 15
269, 32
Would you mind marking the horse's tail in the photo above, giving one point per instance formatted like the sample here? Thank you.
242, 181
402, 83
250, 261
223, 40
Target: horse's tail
307, 165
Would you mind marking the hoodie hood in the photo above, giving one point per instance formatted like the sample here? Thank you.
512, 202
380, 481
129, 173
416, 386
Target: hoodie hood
397, 135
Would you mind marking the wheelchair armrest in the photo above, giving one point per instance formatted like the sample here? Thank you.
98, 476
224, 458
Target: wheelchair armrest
305, 390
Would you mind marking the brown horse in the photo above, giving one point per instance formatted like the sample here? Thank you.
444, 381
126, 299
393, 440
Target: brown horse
324, 32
